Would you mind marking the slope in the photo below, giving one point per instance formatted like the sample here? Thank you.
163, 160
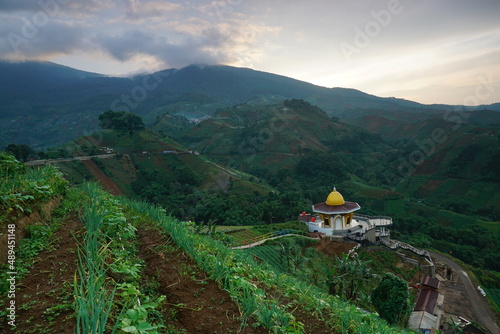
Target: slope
141, 163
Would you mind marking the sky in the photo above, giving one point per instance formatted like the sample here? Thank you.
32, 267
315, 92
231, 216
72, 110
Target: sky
428, 51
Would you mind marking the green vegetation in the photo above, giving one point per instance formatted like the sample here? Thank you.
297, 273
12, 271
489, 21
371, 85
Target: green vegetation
262, 163
121, 121
390, 298
93, 300
110, 238
22, 190
109, 297
20, 152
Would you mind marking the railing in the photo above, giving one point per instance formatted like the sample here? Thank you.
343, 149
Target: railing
347, 231
359, 216
355, 238
397, 244
384, 234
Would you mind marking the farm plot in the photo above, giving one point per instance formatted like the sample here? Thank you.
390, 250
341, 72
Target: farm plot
270, 255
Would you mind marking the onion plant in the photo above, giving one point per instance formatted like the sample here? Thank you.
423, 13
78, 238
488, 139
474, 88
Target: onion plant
93, 299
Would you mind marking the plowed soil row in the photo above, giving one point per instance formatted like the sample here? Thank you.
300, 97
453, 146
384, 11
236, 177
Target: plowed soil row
105, 180
194, 303
44, 298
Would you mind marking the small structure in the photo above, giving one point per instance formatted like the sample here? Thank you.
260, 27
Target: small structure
426, 315
336, 218
108, 150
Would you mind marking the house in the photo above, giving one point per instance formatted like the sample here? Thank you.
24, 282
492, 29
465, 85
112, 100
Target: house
335, 217
426, 315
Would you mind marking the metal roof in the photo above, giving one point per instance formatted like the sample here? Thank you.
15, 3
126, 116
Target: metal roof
422, 320
427, 301
431, 282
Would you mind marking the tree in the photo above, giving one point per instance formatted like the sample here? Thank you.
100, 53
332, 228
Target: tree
390, 298
121, 121
21, 152
347, 276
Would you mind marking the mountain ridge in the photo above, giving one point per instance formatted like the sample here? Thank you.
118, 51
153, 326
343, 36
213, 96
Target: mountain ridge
45, 104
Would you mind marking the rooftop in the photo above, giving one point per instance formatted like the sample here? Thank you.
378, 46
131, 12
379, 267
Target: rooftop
427, 301
347, 207
431, 282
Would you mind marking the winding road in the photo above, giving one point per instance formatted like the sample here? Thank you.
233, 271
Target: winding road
480, 307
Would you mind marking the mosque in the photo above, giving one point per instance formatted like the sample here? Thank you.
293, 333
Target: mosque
336, 218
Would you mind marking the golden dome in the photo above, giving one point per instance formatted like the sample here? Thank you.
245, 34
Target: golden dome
335, 198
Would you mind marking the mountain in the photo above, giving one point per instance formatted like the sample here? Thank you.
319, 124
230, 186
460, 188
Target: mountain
44, 104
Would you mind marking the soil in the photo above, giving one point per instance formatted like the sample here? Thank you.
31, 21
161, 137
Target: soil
432, 185
105, 180
42, 214
49, 284
332, 247
194, 303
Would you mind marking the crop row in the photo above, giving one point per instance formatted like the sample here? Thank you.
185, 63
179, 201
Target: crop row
107, 291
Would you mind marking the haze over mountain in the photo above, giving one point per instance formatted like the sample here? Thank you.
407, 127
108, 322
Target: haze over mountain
45, 104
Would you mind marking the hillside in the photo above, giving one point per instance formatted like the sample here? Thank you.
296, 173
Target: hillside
94, 262
147, 166
274, 136
264, 164
453, 165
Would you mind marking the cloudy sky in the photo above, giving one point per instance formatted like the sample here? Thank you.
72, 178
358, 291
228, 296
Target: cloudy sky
429, 51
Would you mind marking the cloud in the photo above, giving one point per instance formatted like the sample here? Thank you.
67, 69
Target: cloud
25, 38
172, 33
425, 40
215, 44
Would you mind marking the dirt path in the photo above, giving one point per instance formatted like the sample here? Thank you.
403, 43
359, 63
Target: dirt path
49, 161
105, 180
477, 303
45, 296
194, 302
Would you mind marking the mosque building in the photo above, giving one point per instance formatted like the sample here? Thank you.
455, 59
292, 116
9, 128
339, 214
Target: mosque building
336, 218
